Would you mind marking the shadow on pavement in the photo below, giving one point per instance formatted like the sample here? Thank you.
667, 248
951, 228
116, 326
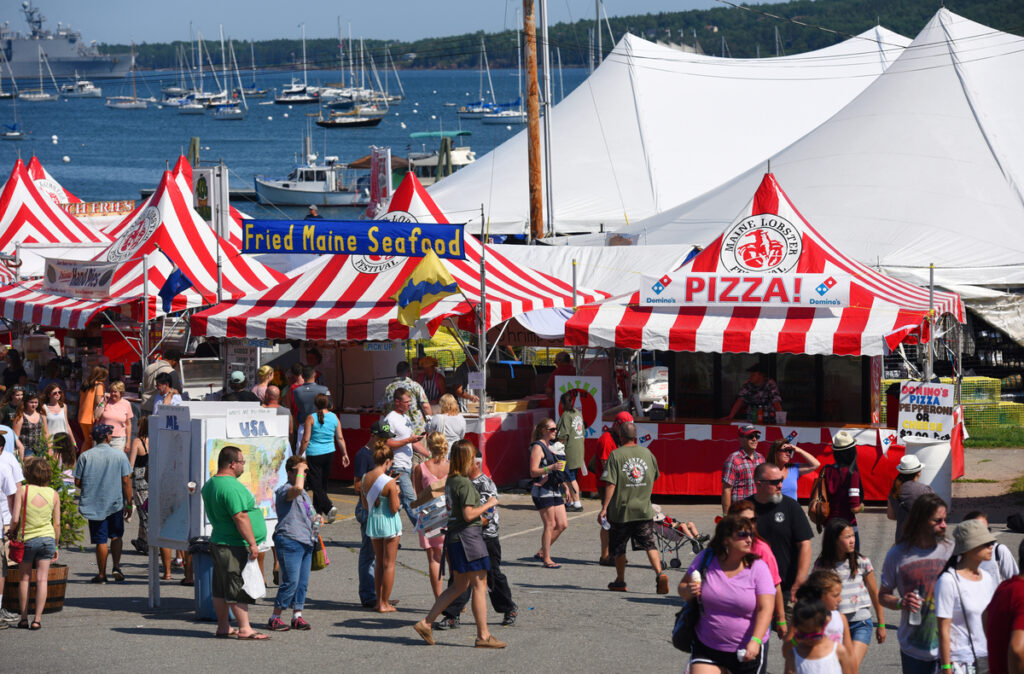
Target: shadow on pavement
207, 631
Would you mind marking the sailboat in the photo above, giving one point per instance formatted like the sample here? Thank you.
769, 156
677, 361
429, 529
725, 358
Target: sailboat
298, 94
39, 95
132, 102
235, 110
253, 91
11, 131
14, 84
508, 115
480, 108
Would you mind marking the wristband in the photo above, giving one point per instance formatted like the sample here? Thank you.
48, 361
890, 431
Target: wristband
949, 666
757, 639
781, 623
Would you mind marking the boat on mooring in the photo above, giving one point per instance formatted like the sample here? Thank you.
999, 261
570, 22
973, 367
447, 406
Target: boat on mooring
330, 183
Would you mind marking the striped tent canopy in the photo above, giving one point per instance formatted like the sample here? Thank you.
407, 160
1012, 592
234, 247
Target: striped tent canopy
883, 311
174, 237
182, 172
348, 297
47, 184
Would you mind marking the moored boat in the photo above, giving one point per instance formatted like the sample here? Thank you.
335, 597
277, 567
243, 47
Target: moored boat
330, 183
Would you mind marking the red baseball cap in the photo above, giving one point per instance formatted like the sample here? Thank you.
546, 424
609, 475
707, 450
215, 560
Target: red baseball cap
623, 418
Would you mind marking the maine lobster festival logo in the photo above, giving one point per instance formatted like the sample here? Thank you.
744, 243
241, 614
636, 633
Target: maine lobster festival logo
375, 264
635, 469
762, 244
136, 235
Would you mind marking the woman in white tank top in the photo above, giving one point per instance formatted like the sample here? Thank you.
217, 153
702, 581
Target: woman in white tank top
57, 424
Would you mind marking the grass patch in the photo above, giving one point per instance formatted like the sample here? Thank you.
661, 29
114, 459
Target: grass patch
1017, 488
974, 480
985, 461
995, 436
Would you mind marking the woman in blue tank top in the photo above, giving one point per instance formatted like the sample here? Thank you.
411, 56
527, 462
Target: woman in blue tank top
321, 436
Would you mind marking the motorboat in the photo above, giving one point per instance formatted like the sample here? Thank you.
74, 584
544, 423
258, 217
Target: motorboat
296, 94
330, 183
228, 112
81, 89
349, 120
431, 166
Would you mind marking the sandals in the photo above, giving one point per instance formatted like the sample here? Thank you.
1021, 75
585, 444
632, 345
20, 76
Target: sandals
230, 634
23, 624
99, 580
36, 625
552, 565
255, 636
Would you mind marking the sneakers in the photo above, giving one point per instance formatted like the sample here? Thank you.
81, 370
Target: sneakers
510, 617
617, 586
118, 576
446, 623
275, 624
662, 583
490, 642
573, 508
300, 624
332, 515
8, 617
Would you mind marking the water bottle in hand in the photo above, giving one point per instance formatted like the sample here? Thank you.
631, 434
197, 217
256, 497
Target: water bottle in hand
915, 616
605, 524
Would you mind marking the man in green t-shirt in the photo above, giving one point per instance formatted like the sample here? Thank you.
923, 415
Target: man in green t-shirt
630, 473
238, 529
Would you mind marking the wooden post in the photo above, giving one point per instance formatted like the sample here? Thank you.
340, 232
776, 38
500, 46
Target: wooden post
533, 123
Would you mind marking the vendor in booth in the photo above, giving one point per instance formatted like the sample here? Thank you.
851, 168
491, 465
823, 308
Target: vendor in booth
759, 392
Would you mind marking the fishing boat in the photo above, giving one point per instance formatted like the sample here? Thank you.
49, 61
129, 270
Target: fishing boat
14, 85
81, 89
431, 166
40, 95
330, 183
132, 102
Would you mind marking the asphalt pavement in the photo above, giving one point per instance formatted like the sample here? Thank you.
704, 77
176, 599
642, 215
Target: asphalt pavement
567, 619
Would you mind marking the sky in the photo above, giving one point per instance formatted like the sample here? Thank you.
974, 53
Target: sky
121, 21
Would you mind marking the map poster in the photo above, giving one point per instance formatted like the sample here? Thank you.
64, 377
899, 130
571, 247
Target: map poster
264, 466
588, 400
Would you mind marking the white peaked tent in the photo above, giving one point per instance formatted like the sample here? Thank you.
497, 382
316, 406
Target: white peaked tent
653, 127
926, 166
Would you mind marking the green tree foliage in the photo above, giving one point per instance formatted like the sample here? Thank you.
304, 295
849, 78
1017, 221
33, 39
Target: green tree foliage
746, 34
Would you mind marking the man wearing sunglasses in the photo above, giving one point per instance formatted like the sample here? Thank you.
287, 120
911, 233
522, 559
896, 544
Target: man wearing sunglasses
782, 523
738, 471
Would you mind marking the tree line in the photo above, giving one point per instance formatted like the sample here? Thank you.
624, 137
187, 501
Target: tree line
733, 31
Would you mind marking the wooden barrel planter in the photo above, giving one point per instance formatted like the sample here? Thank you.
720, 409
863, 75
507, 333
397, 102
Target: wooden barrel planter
57, 583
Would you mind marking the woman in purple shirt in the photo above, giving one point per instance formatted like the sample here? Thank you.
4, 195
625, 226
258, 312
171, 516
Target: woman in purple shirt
737, 596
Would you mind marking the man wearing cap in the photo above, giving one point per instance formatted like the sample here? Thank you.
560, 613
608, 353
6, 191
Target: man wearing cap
239, 391
759, 392
1004, 627
738, 470
606, 444
905, 490
782, 523
361, 465
420, 407
313, 214
165, 364
104, 479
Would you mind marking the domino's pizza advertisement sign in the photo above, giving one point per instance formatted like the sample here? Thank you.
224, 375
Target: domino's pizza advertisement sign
926, 410
744, 289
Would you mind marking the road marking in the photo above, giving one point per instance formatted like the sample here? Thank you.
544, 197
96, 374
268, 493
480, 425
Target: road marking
541, 528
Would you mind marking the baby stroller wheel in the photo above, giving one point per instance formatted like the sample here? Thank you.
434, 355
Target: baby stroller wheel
675, 563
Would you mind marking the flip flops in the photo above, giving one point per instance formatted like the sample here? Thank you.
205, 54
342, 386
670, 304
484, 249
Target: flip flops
552, 565
662, 583
230, 634
255, 636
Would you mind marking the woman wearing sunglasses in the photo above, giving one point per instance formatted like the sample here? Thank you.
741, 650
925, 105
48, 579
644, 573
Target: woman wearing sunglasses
547, 470
737, 596
962, 594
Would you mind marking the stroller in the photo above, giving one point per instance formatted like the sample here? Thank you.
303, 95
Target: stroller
671, 538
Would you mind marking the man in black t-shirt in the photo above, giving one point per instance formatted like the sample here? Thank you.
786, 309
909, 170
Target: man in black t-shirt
239, 392
782, 523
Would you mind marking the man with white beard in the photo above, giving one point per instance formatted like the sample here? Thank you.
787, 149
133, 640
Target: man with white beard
782, 523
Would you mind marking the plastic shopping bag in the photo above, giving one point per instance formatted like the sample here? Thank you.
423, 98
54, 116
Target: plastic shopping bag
252, 580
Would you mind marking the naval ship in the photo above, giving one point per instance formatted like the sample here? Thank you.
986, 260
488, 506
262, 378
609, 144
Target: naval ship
67, 53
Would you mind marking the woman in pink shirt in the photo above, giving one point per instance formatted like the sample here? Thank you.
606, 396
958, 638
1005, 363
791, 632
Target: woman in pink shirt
737, 597
117, 412
760, 547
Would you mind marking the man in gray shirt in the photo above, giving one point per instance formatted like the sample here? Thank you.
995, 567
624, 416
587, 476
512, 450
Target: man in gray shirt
303, 398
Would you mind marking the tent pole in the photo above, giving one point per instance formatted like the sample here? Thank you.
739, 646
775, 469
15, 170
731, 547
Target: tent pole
930, 365
144, 337
482, 335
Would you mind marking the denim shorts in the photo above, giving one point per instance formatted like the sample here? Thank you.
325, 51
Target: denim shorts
42, 547
860, 630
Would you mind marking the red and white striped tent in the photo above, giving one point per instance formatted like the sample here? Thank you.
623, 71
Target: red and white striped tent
348, 297
882, 313
166, 229
182, 172
47, 184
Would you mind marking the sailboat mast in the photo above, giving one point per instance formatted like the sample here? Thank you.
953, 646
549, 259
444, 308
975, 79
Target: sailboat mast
135, 95
341, 53
199, 46
252, 57
305, 82
223, 60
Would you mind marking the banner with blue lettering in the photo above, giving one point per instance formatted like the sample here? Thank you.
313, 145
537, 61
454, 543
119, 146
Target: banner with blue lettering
353, 237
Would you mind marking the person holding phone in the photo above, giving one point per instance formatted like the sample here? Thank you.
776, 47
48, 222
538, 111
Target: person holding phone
403, 445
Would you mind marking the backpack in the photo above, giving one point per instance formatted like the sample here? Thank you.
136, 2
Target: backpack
819, 509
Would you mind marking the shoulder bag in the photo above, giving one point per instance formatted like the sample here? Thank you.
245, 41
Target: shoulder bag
684, 630
818, 510
980, 664
16, 547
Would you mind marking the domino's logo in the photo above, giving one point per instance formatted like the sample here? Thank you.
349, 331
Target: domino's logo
826, 286
662, 283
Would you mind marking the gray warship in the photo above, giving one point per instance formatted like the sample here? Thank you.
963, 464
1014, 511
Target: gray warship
66, 51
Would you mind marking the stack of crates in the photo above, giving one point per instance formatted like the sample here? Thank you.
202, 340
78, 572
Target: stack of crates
981, 399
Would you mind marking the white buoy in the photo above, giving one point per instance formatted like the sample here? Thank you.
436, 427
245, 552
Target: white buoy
396, 114
403, 124
269, 118
289, 107
508, 127
415, 112
286, 114
54, 141
417, 103
66, 159
435, 92
54, 138
433, 117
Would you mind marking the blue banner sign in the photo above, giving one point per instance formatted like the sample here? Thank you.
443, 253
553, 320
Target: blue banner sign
352, 237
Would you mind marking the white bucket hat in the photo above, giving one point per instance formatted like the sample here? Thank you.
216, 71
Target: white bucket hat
909, 465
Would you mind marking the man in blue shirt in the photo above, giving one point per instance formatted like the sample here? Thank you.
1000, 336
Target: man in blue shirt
363, 464
103, 477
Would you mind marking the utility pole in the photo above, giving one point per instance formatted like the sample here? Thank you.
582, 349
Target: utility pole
533, 123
